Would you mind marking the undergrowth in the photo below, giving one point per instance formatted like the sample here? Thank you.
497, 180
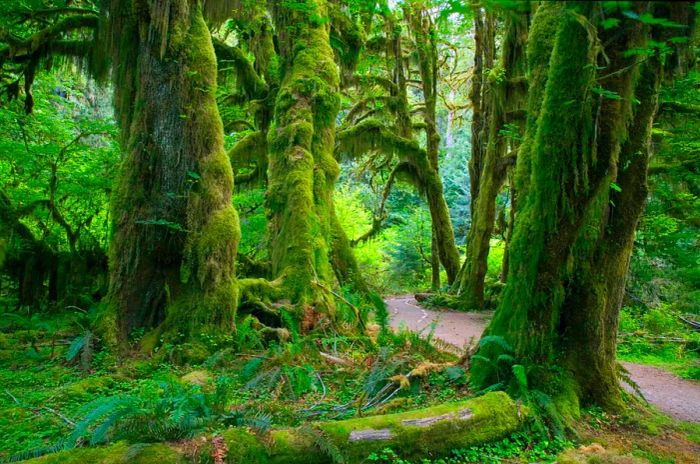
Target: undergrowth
660, 336
50, 401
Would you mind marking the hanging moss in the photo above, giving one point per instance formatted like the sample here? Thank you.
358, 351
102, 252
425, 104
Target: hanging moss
539, 50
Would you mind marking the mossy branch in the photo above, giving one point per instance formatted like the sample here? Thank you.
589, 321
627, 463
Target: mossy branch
373, 135
250, 150
20, 49
249, 81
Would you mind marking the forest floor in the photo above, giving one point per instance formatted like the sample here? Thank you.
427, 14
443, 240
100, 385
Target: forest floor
676, 397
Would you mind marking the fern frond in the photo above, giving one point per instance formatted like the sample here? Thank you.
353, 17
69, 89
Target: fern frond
496, 340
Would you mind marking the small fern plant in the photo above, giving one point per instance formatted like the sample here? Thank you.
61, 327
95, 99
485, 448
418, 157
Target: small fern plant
496, 368
171, 411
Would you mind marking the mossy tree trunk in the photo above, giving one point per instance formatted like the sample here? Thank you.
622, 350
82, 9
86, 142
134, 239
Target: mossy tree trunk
395, 138
175, 231
571, 247
421, 434
604, 247
302, 169
603, 252
500, 96
423, 33
576, 143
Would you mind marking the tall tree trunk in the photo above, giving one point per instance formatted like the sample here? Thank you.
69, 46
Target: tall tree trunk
604, 249
501, 96
434, 262
302, 170
423, 31
577, 142
175, 231
571, 247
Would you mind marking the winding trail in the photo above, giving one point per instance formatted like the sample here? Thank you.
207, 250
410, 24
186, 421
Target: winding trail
677, 397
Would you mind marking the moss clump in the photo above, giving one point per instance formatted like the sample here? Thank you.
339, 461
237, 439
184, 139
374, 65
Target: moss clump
245, 447
88, 387
198, 377
120, 453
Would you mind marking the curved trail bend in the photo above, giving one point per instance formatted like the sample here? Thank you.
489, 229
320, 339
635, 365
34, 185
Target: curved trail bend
677, 397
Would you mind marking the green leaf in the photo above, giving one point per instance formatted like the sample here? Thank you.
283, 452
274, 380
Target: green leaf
606, 93
609, 23
76, 345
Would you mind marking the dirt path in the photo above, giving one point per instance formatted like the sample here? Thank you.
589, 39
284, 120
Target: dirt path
677, 397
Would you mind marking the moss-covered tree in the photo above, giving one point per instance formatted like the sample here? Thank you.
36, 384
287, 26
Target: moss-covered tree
302, 170
265, 71
175, 231
498, 93
562, 297
381, 122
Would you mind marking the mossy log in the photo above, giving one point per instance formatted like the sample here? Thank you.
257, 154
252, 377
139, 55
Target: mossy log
429, 432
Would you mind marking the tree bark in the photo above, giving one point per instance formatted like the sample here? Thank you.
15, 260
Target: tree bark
604, 249
571, 246
577, 142
443, 241
175, 231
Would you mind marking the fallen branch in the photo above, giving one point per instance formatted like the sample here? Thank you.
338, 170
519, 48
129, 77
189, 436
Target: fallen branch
335, 359
53, 411
693, 324
12, 396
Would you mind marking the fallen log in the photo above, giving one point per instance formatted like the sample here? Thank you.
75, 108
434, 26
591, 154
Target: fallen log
424, 433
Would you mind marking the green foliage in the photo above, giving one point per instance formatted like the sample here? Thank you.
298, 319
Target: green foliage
659, 336
161, 411
496, 360
526, 446
397, 259
56, 166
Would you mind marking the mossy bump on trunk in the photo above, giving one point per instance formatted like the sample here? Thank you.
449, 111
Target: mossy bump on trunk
425, 433
175, 231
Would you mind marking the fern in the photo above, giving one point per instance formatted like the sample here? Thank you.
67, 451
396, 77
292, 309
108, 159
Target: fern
495, 340
172, 412
250, 368
323, 443
520, 376
290, 324
81, 345
625, 376
380, 312
34, 453
248, 338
